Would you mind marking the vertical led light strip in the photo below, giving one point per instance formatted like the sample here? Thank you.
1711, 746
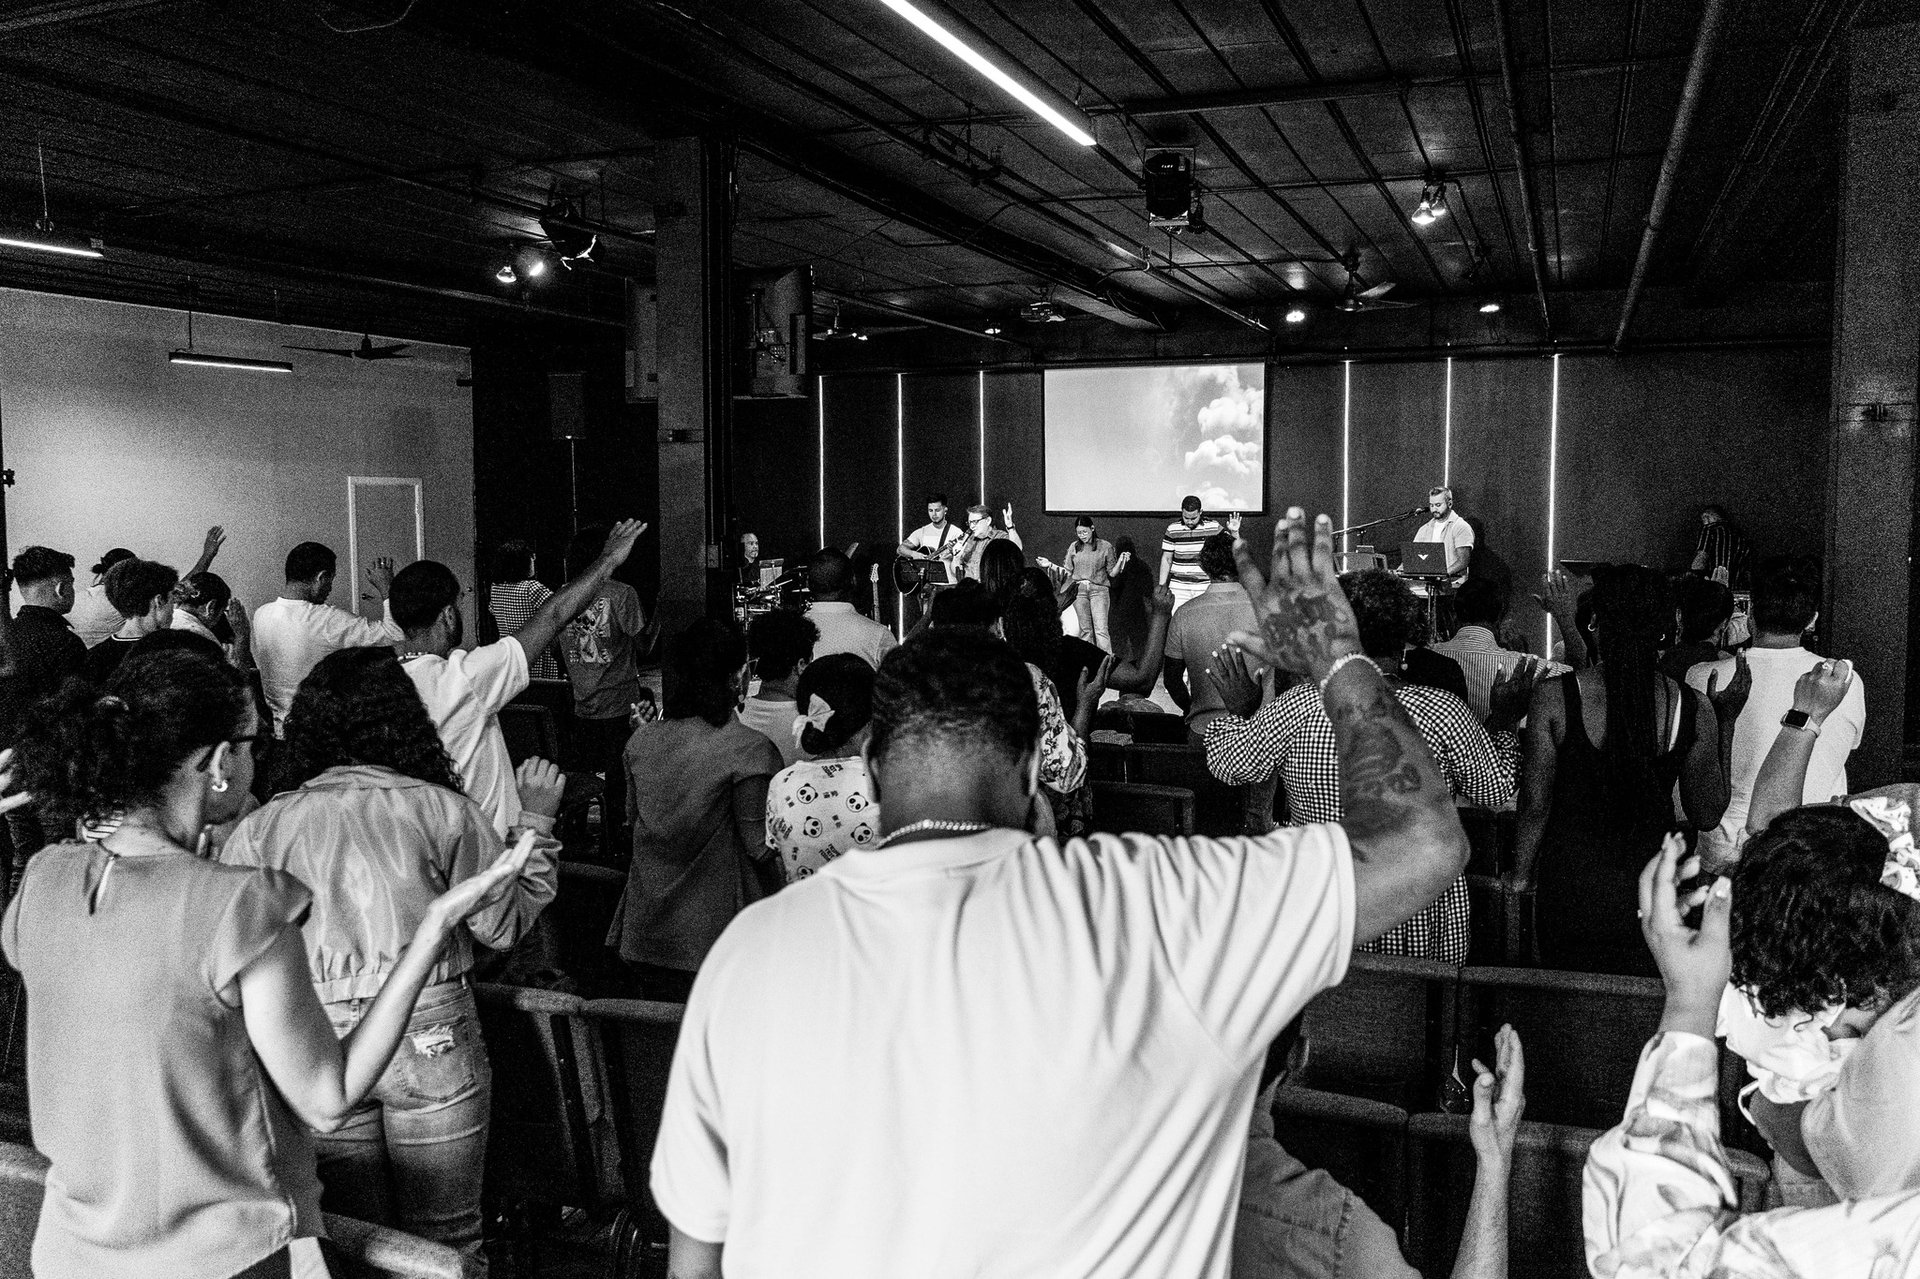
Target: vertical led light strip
1446, 433
983, 435
1553, 478
1346, 453
899, 490
820, 401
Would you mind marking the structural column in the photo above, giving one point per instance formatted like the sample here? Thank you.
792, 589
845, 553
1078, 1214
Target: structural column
1876, 366
693, 249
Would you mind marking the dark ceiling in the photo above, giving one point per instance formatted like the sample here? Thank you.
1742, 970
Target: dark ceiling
291, 162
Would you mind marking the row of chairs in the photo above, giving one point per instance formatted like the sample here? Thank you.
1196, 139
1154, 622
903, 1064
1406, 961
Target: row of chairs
1415, 1170
1406, 1032
579, 1087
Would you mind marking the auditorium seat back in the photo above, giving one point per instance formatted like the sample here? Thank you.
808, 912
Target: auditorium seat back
1361, 1143
1582, 1033
1384, 1032
637, 1037
1121, 807
542, 1149
1216, 805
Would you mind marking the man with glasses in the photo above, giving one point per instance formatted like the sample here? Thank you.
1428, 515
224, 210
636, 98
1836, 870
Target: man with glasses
980, 528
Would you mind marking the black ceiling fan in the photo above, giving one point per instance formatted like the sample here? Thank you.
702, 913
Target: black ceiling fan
365, 351
1358, 296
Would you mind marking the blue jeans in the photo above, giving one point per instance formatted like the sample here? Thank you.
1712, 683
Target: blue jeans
413, 1154
1090, 605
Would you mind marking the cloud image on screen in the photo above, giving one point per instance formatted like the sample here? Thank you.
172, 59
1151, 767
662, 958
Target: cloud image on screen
1140, 439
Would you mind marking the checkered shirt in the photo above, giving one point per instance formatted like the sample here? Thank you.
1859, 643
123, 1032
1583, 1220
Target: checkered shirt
1292, 734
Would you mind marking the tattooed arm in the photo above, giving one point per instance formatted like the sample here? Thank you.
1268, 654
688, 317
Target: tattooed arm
1400, 820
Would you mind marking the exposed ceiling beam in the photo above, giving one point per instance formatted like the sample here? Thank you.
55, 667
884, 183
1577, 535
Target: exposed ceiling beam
177, 113
1712, 23
38, 17
889, 308
1529, 198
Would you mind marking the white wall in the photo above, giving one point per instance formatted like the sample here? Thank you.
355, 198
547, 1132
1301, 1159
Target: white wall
113, 446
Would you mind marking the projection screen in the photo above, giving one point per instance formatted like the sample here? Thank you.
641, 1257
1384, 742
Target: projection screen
1136, 440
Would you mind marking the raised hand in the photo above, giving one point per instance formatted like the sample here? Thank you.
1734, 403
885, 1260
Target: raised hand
1306, 623
1499, 1099
483, 889
379, 578
1729, 701
211, 544
1819, 692
540, 783
1092, 681
620, 541
236, 615
1233, 523
1694, 963
1557, 594
1120, 565
1006, 514
1237, 682
1512, 693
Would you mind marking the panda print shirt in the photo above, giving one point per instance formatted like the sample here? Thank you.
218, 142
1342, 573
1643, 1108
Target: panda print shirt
817, 810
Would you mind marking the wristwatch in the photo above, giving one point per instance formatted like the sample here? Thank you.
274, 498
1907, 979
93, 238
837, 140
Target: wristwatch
1798, 719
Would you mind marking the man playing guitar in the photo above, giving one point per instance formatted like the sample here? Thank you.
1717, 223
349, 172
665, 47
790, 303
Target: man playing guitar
934, 540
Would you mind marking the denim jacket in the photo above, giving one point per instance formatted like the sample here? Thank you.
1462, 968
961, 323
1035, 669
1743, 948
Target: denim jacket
375, 847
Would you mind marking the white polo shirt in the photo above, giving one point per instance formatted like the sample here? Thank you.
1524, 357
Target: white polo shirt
291, 636
464, 692
994, 1055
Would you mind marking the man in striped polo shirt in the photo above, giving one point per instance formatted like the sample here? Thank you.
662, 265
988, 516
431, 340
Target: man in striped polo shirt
1180, 549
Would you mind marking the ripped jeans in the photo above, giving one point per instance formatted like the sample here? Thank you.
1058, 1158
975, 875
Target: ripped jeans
412, 1155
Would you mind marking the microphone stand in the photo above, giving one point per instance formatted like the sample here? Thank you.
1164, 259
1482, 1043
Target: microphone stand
1385, 519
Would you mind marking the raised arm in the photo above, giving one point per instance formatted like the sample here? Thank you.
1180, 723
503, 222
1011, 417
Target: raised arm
209, 547
1400, 821
323, 1077
1562, 604
1539, 763
1137, 674
1782, 781
572, 599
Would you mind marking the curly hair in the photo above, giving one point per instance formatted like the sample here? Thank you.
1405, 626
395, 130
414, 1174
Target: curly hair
358, 706
1216, 558
1383, 608
92, 753
956, 691
843, 681
1813, 925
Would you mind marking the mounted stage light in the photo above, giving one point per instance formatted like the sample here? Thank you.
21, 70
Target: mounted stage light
529, 262
1488, 308
1296, 316
211, 360
1433, 204
1167, 176
1063, 118
559, 222
992, 330
507, 275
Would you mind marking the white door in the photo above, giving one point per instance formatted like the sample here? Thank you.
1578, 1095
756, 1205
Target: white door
384, 519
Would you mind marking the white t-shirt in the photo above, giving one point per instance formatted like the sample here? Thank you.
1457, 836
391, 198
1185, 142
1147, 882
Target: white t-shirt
842, 630
464, 692
291, 636
774, 721
94, 617
1455, 532
996, 1055
1775, 672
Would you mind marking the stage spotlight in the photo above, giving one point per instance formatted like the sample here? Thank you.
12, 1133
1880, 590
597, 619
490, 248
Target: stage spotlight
1488, 308
1433, 204
507, 275
559, 220
1296, 316
992, 330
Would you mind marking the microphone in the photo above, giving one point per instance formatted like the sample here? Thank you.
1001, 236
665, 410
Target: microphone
1418, 510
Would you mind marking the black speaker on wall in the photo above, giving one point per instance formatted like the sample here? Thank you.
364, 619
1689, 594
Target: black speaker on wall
566, 405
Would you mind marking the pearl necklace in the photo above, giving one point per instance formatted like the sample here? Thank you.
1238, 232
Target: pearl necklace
934, 823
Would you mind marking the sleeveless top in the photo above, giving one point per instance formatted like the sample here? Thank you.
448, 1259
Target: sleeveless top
1595, 846
173, 1155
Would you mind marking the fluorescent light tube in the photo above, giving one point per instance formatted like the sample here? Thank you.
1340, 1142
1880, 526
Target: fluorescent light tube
980, 62
206, 360
41, 243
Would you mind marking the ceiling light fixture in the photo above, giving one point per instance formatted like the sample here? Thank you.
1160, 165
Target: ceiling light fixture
954, 44
41, 237
1488, 308
1296, 316
992, 330
1433, 204
560, 221
209, 360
